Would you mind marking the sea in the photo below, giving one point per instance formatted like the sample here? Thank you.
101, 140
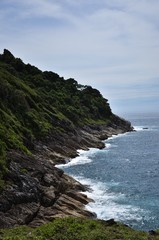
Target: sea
124, 176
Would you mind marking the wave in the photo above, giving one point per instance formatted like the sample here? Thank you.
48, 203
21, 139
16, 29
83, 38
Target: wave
138, 128
108, 145
107, 204
83, 158
116, 136
75, 161
112, 200
145, 128
109, 201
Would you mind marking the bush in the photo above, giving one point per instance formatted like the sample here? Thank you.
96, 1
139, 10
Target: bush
75, 229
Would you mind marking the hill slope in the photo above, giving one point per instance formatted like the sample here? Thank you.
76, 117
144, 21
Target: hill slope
44, 119
34, 104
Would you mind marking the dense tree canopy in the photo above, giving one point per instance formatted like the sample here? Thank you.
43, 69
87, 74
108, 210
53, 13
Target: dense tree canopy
34, 104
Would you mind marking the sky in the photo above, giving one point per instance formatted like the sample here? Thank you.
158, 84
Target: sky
112, 45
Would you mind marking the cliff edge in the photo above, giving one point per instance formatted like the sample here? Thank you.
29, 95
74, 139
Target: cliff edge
44, 120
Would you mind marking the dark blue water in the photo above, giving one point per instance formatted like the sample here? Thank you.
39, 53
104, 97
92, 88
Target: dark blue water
124, 176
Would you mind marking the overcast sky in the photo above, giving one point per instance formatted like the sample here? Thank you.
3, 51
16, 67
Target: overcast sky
112, 45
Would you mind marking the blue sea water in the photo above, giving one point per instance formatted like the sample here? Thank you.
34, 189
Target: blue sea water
124, 176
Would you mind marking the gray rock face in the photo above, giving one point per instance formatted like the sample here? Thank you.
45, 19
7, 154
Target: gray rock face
37, 192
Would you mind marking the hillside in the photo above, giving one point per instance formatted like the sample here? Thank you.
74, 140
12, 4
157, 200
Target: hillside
44, 119
35, 104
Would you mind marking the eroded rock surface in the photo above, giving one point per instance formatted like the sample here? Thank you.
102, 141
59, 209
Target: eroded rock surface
37, 191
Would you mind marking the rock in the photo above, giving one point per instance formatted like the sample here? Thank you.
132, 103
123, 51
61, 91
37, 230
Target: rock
79, 197
19, 215
153, 233
71, 183
110, 222
37, 191
50, 179
48, 196
72, 207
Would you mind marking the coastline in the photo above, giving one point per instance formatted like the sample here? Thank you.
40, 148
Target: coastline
37, 191
83, 158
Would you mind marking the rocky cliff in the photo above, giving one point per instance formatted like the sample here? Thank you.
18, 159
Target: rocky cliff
37, 191
44, 120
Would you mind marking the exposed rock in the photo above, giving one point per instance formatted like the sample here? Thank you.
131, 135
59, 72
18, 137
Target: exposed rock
153, 233
37, 191
48, 196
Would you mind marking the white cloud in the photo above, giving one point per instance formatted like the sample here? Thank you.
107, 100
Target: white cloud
33, 8
100, 43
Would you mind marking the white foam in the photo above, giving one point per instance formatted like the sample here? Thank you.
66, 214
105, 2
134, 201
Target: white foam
108, 145
76, 161
141, 128
117, 136
83, 158
138, 128
91, 151
85, 155
112, 137
107, 204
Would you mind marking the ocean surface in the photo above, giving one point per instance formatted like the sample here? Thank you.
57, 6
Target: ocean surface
124, 176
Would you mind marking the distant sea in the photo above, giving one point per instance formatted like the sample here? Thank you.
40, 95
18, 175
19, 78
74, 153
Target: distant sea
124, 176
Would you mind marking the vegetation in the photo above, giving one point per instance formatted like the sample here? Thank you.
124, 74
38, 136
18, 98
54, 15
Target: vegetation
35, 104
76, 229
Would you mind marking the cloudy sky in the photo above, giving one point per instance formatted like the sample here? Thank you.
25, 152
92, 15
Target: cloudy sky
112, 45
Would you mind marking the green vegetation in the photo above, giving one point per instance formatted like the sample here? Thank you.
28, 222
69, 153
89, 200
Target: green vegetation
75, 229
36, 104
33, 106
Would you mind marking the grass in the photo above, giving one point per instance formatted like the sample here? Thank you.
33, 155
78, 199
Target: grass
76, 229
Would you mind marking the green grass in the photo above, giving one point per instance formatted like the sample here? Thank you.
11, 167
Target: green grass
75, 229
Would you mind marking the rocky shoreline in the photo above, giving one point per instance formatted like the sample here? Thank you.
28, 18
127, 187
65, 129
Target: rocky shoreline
36, 191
